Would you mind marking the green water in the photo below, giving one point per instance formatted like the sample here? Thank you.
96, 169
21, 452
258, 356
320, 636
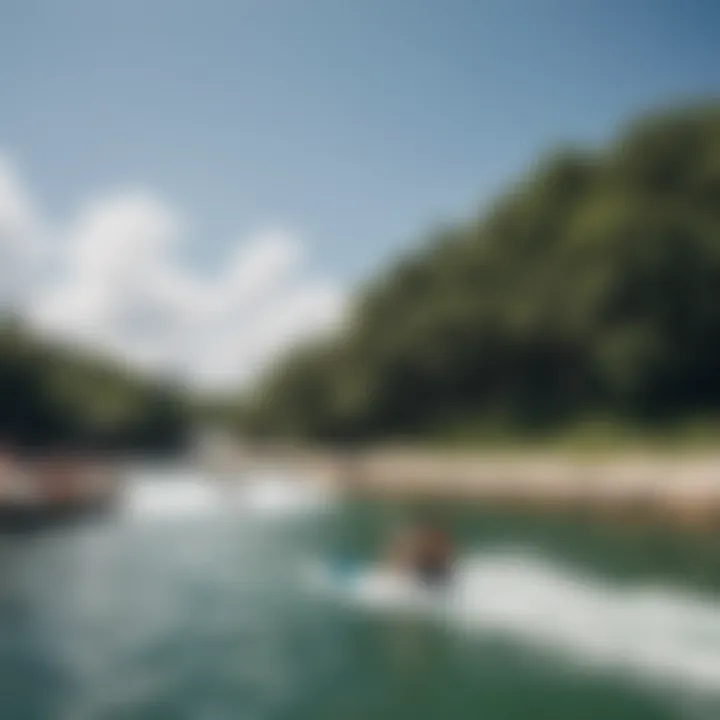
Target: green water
209, 615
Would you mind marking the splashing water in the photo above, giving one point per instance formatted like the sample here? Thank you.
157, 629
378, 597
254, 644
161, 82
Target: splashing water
149, 617
658, 634
182, 495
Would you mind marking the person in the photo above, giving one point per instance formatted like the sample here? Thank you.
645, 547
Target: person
425, 551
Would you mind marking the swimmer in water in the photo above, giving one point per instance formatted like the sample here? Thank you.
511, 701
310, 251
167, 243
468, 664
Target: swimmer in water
424, 551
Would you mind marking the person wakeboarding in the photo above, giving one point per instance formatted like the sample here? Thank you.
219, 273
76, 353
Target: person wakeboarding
424, 551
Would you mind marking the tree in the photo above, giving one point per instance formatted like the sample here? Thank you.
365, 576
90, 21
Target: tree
593, 286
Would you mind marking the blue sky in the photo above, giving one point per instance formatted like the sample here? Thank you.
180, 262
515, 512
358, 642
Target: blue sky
355, 124
358, 122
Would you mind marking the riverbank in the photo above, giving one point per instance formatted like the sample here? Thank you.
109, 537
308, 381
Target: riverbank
683, 488
636, 484
49, 490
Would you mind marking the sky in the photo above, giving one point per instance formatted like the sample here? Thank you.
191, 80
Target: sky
195, 186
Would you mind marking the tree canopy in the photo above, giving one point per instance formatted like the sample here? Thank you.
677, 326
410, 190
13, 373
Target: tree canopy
55, 396
591, 286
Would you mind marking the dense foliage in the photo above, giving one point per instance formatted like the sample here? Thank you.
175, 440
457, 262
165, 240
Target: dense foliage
591, 287
56, 397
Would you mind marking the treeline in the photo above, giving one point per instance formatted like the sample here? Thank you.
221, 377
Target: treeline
592, 287
55, 397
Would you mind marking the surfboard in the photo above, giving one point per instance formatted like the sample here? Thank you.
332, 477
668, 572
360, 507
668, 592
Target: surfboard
378, 585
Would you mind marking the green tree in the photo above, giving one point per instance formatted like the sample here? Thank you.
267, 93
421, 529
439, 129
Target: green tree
593, 286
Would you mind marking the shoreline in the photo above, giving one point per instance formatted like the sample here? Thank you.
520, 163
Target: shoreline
640, 485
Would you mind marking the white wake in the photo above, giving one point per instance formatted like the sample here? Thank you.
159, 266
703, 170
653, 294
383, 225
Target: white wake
657, 633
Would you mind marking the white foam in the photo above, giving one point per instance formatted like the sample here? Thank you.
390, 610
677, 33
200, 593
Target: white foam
155, 495
176, 498
283, 496
657, 633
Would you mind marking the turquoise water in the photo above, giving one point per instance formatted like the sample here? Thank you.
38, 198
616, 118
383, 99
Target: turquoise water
194, 604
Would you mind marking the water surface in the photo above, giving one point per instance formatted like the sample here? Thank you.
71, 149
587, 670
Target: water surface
197, 603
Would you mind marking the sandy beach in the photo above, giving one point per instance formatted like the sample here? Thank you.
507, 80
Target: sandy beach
682, 488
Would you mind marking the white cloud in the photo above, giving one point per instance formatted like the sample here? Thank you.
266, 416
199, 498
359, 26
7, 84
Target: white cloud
20, 236
114, 281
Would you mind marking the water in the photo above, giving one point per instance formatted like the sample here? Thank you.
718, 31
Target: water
202, 603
